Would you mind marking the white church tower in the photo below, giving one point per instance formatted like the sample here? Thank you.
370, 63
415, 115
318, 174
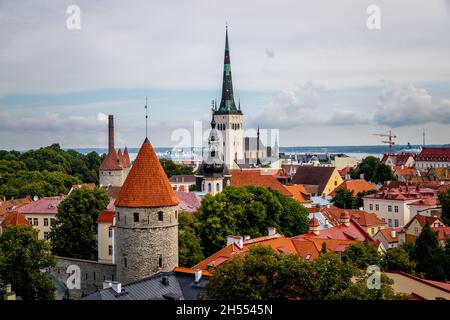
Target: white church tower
229, 118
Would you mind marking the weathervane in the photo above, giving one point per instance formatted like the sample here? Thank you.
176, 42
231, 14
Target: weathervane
146, 117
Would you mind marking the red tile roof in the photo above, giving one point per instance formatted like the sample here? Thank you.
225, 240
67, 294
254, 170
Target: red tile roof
402, 193
443, 232
356, 186
340, 232
14, 218
404, 171
257, 178
146, 184
106, 217
364, 218
423, 220
189, 201
126, 158
397, 159
46, 205
305, 248
10, 205
299, 192
111, 162
434, 154
386, 232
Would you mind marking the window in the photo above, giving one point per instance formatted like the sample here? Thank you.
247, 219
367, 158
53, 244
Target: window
389, 223
372, 231
125, 262
176, 214
396, 223
160, 261
379, 228
136, 217
416, 230
35, 222
335, 183
160, 216
308, 256
110, 232
377, 207
395, 208
217, 187
213, 153
371, 206
209, 187
110, 250
383, 219
30, 221
118, 216
389, 208
45, 222
46, 236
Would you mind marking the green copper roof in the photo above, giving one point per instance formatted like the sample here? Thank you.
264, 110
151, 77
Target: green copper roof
227, 104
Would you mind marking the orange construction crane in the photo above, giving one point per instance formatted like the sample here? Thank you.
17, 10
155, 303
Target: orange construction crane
390, 142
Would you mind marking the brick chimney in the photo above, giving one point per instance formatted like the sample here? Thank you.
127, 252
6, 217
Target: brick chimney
345, 218
110, 133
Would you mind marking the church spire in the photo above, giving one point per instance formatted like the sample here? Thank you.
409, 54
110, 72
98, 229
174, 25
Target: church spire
227, 104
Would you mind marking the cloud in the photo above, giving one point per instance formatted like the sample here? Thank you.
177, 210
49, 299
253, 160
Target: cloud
270, 53
292, 109
399, 106
101, 117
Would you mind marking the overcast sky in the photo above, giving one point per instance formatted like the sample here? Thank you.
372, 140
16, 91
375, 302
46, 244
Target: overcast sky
311, 69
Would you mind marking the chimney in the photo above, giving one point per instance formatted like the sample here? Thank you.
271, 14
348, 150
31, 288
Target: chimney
271, 231
393, 234
237, 240
165, 280
198, 275
345, 218
110, 133
9, 295
347, 177
117, 286
361, 176
107, 284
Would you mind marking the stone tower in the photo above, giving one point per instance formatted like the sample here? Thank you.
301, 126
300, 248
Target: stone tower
229, 118
114, 169
146, 234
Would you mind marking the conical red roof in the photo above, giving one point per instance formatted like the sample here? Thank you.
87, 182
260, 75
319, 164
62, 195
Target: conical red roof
147, 184
126, 157
112, 161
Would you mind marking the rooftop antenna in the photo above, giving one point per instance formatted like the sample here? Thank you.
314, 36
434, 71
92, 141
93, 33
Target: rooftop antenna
423, 138
146, 117
390, 142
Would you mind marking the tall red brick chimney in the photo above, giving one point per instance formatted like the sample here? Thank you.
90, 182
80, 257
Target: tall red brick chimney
110, 133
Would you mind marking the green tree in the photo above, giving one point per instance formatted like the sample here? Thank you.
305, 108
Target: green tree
189, 249
362, 254
22, 257
444, 200
247, 211
429, 255
366, 167
398, 259
261, 275
171, 168
344, 199
382, 173
74, 232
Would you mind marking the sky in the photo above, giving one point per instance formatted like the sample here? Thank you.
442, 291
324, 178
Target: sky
311, 69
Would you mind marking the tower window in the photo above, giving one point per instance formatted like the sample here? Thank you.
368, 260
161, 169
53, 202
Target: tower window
136, 216
213, 154
118, 216
160, 216
125, 262
160, 261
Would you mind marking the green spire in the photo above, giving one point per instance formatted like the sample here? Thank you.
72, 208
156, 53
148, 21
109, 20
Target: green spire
227, 104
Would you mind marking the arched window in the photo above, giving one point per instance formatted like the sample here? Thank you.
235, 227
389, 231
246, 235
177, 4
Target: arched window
136, 217
217, 187
209, 187
160, 216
